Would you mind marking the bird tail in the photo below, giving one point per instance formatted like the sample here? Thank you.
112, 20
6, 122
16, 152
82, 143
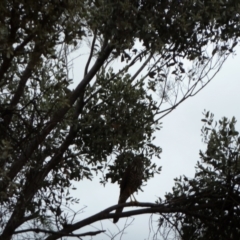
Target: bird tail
122, 199
119, 210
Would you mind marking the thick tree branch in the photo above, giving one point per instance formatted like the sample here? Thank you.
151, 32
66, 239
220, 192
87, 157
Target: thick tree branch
31, 189
149, 208
90, 55
59, 115
32, 185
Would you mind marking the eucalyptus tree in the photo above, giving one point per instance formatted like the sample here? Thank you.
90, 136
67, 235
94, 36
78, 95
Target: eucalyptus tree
53, 131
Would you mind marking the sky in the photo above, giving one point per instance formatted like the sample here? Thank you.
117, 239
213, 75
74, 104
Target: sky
180, 139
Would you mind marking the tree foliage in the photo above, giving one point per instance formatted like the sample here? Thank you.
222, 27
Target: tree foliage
210, 201
53, 131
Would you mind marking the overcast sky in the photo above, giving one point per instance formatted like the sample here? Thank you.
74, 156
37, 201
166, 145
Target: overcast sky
180, 139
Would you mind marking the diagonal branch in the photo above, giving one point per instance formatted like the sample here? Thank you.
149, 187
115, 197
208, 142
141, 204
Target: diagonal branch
90, 55
31, 187
58, 115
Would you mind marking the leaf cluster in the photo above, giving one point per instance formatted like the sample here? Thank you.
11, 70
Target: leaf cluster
179, 25
211, 200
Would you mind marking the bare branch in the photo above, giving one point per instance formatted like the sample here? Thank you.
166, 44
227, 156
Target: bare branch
142, 67
38, 230
90, 55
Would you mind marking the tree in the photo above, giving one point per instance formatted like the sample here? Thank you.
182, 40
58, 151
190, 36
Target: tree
210, 201
52, 133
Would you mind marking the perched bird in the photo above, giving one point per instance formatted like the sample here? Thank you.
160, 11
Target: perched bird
131, 181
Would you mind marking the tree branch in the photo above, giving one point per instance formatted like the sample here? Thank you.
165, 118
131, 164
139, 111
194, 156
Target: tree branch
90, 55
38, 230
23, 80
58, 116
30, 190
151, 209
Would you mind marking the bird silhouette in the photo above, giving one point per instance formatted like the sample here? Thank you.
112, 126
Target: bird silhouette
131, 181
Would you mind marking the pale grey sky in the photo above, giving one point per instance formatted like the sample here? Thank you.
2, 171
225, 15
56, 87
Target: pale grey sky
180, 139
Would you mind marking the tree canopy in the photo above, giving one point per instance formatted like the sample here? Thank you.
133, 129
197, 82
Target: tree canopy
55, 128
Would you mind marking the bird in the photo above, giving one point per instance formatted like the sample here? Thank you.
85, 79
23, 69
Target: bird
131, 181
